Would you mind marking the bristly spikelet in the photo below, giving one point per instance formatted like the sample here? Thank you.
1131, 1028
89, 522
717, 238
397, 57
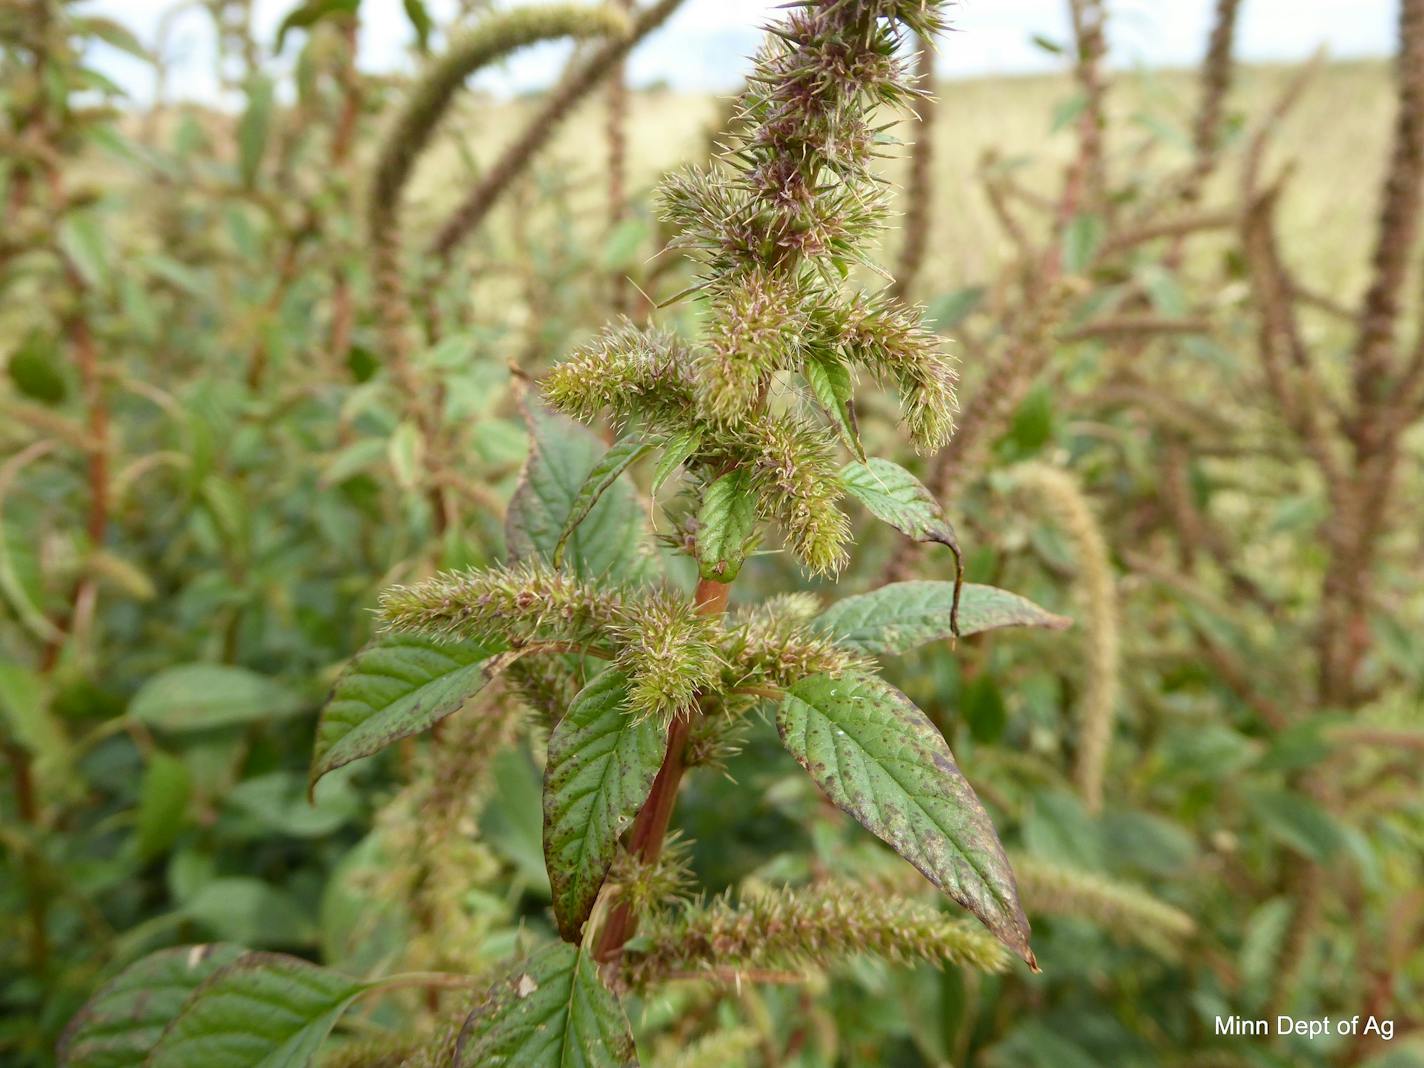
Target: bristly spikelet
626, 371
754, 330
668, 651
815, 926
519, 604
891, 340
771, 644
793, 468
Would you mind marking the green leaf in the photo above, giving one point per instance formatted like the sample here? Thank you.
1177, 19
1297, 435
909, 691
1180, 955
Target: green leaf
26, 718
553, 1011
202, 696
162, 804
950, 310
602, 762
398, 686
879, 758
420, 21
726, 526
610, 544
1297, 821
1082, 238
34, 369
620, 456
676, 451
830, 382
247, 910
265, 1010
895, 496
252, 130
406, 453
308, 14
122, 1022
903, 615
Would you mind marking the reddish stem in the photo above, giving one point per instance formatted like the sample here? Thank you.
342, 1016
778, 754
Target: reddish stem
645, 840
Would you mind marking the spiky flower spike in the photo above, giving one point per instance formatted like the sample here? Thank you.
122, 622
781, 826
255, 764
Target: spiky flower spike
777, 223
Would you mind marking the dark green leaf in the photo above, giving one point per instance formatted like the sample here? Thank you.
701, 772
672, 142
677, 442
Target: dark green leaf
265, 1010
552, 1011
398, 686
726, 526
678, 449
602, 762
122, 1022
34, 369
830, 382
620, 456
420, 21
902, 615
879, 758
308, 14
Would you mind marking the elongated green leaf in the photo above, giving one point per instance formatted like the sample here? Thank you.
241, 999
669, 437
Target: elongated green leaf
611, 541
162, 804
879, 758
1081, 240
203, 696
622, 455
265, 1010
122, 1022
602, 762
398, 686
726, 526
898, 617
679, 448
553, 1011
252, 131
830, 382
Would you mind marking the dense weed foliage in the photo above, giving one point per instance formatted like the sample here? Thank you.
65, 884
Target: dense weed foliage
413, 625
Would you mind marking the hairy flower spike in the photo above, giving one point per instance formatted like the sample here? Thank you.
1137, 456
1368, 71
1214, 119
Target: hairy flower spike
756, 326
519, 604
891, 340
771, 644
793, 467
667, 649
816, 926
626, 371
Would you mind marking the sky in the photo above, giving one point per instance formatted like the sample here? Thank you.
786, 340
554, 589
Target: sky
705, 45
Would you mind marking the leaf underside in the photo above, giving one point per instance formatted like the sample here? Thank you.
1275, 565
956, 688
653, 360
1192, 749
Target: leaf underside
399, 685
553, 1011
124, 1019
903, 615
879, 758
602, 763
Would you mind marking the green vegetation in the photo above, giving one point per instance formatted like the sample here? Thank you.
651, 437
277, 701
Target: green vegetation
522, 584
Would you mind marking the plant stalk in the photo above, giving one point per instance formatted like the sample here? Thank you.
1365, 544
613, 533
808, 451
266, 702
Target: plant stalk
645, 840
